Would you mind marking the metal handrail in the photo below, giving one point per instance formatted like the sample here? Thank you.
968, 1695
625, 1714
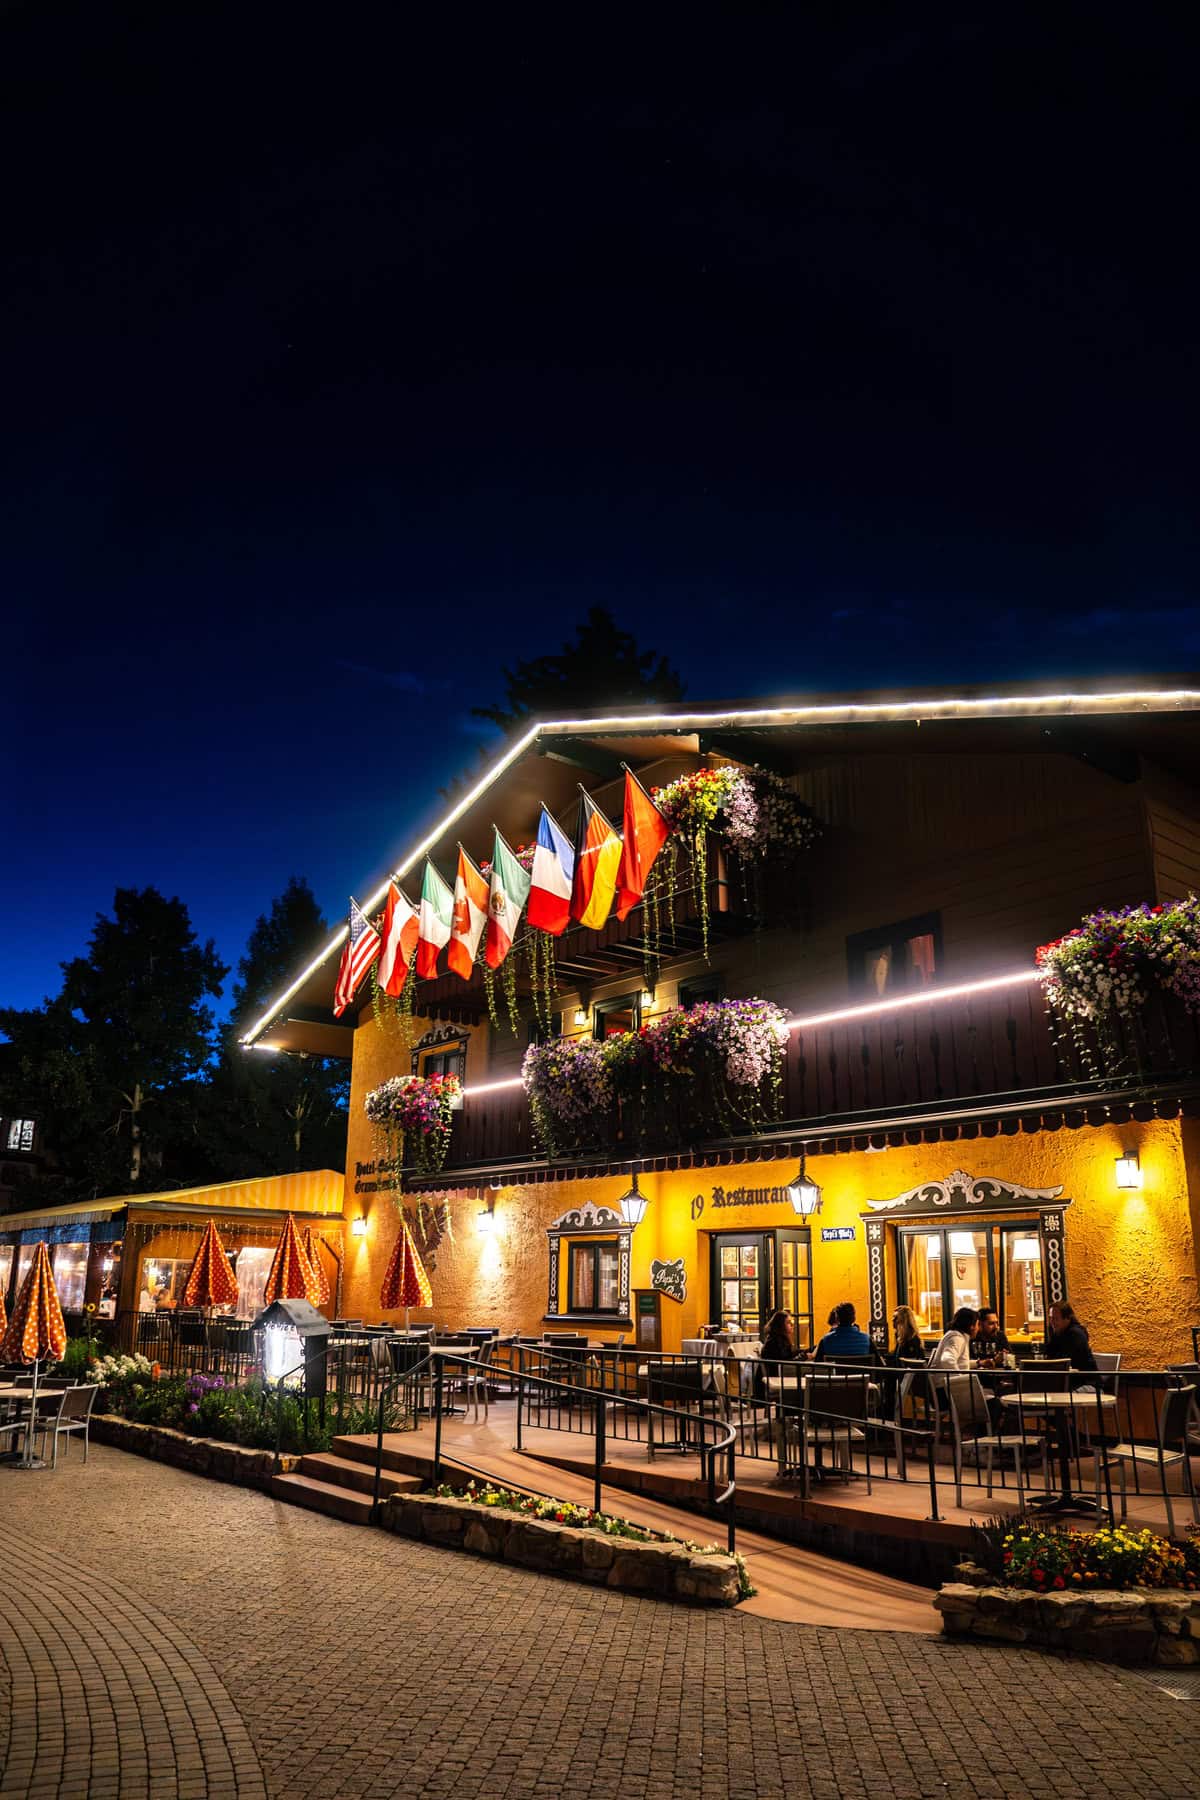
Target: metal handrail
709, 1454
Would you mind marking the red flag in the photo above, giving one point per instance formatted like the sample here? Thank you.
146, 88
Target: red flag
399, 938
645, 832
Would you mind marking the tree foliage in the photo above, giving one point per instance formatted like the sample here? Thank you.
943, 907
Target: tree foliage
111, 1067
601, 666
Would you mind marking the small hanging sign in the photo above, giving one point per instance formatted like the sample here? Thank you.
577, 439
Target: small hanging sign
837, 1234
670, 1278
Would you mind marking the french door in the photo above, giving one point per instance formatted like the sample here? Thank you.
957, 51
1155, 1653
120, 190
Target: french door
755, 1272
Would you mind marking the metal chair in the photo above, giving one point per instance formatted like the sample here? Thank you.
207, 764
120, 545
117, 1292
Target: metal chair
687, 1388
833, 1406
71, 1419
1175, 1416
968, 1408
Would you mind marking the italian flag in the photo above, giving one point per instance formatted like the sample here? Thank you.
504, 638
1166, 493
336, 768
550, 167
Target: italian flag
595, 866
437, 913
470, 914
399, 934
509, 892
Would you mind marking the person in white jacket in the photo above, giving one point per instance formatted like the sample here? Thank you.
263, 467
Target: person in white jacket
954, 1350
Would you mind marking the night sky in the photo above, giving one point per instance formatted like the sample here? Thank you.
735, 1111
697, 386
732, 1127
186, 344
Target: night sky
343, 364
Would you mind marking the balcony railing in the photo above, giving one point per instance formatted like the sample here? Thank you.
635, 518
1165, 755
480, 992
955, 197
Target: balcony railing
957, 1058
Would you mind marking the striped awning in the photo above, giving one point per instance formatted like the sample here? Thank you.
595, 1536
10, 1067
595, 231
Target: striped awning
59, 1224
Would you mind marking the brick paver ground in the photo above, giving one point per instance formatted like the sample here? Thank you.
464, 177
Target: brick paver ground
161, 1634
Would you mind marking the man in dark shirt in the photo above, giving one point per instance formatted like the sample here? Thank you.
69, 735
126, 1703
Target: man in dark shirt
1069, 1338
990, 1346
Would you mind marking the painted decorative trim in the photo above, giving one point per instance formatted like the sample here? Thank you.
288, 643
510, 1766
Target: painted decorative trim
583, 1221
589, 1217
877, 1284
669, 1278
961, 1192
1054, 1263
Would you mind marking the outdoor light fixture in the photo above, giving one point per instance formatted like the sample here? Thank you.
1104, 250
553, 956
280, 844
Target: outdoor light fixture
358, 1227
633, 1204
804, 1194
282, 1351
580, 1016
485, 1224
1129, 1170
1026, 1250
647, 999
962, 1243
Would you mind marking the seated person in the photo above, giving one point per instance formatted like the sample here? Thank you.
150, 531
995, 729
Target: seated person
778, 1346
1068, 1338
990, 1347
845, 1339
954, 1350
908, 1347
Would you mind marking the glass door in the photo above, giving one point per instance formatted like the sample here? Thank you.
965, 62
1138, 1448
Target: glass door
741, 1281
793, 1251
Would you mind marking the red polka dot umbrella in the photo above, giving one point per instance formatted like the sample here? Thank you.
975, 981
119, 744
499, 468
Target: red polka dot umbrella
3, 1318
291, 1276
406, 1283
312, 1249
36, 1332
210, 1280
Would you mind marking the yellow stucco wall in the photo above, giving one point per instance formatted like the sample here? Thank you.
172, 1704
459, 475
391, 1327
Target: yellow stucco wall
1131, 1258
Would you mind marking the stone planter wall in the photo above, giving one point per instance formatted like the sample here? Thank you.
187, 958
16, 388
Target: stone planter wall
666, 1570
1124, 1626
201, 1456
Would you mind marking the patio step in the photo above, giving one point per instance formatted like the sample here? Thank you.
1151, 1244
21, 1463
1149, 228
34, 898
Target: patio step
324, 1497
341, 1471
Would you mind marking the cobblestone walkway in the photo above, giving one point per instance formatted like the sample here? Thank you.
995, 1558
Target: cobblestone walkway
168, 1636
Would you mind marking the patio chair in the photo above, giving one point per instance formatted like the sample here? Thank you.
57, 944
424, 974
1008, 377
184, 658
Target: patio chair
687, 1389
834, 1414
471, 1382
967, 1405
1175, 1416
71, 1419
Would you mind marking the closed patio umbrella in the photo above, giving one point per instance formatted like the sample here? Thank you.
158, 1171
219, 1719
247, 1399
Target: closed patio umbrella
36, 1332
406, 1284
3, 1317
210, 1280
291, 1276
312, 1249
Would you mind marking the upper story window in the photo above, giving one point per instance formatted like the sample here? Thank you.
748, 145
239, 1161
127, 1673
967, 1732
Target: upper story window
443, 1062
20, 1134
896, 959
701, 987
611, 1017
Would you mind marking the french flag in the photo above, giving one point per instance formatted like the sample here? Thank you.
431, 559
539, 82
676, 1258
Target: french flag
553, 872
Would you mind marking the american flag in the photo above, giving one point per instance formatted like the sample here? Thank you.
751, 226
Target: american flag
362, 947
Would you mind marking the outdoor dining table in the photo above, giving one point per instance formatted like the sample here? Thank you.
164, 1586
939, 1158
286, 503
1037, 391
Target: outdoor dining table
1059, 1406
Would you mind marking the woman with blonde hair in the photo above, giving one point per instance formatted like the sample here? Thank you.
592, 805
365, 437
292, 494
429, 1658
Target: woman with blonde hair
909, 1347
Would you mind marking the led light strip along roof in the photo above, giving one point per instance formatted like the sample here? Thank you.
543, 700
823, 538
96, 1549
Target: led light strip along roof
943, 707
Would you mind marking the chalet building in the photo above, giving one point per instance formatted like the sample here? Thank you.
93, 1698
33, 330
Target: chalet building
958, 1146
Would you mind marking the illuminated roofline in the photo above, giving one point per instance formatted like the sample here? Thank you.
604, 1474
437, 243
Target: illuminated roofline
844, 713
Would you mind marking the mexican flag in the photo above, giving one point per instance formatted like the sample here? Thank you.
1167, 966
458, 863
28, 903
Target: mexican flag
470, 914
437, 913
509, 892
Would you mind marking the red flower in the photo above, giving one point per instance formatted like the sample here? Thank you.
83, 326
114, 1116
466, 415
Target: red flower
1058, 1582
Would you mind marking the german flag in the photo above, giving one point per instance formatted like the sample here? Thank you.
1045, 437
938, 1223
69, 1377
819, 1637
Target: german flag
597, 856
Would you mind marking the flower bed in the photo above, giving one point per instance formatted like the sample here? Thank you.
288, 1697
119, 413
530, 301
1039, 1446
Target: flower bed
206, 1406
560, 1538
236, 1463
1123, 1595
717, 1066
1114, 960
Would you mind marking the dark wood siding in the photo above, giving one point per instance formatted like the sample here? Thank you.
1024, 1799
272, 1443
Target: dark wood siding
1173, 814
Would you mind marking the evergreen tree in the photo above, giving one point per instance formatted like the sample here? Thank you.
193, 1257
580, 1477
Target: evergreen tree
601, 667
110, 1069
264, 1114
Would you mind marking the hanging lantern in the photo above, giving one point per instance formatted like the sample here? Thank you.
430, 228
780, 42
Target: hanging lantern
804, 1194
633, 1204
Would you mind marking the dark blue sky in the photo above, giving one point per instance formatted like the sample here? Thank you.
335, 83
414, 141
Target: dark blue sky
343, 364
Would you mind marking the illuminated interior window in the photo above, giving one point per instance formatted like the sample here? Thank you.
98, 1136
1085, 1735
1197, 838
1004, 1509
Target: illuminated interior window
896, 959
20, 1134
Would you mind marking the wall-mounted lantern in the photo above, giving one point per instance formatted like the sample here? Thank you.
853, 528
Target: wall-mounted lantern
1129, 1170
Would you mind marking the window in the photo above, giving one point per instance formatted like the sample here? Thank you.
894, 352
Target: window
7, 1252
252, 1267
612, 1017
163, 1281
443, 1062
69, 1262
896, 959
701, 987
20, 1134
968, 1264
593, 1277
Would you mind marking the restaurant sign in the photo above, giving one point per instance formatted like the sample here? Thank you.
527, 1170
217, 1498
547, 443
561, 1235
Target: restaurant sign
837, 1234
744, 1196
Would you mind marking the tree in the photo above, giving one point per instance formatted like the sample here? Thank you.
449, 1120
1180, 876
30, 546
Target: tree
264, 1114
601, 667
111, 1067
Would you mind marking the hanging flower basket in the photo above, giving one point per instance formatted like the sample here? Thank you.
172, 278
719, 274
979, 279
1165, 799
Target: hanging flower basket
412, 1116
716, 1068
752, 812
1108, 966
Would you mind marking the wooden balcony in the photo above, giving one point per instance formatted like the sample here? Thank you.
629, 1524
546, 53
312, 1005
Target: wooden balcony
937, 1069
